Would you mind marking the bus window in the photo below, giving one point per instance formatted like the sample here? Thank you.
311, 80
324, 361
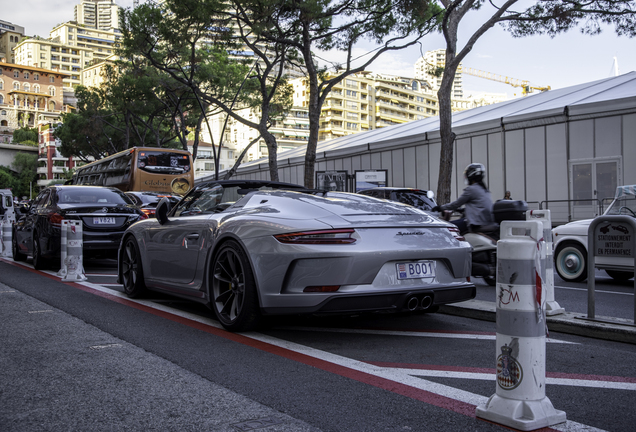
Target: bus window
163, 162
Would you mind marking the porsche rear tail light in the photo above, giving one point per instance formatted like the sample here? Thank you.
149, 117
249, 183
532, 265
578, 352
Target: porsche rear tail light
56, 219
336, 236
456, 234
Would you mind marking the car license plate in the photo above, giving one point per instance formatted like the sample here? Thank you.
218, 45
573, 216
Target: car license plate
104, 221
416, 270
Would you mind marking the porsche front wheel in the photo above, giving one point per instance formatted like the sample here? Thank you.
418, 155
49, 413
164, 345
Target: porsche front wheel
233, 295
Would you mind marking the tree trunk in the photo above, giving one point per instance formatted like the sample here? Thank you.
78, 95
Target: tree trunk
448, 139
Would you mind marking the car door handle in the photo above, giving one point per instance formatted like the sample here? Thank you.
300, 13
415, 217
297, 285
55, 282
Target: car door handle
193, 236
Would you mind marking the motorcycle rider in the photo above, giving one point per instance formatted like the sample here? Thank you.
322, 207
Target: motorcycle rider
476, 199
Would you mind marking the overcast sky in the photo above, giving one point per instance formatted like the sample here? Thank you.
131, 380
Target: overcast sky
566, 60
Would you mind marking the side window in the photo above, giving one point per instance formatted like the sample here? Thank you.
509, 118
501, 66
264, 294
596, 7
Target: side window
42, 200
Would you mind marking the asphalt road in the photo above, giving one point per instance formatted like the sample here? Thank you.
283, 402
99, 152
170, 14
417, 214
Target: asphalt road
81, 356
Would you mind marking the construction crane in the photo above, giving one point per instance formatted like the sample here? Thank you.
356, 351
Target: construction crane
525, 85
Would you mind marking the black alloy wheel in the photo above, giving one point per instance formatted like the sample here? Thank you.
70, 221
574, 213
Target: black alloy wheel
39, 262
233, 290
131, 270
17, 255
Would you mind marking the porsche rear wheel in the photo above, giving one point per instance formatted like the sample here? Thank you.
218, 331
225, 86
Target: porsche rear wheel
233, 295
131, 271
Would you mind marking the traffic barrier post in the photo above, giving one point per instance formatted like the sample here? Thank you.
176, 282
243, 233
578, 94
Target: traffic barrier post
71, 268
519, 400
5, 246
543, 216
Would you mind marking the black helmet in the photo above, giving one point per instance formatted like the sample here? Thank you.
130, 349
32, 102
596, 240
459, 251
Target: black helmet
475, 172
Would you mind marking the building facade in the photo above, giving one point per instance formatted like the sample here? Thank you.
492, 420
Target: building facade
29, 96
97, 14
10, 36
70, 48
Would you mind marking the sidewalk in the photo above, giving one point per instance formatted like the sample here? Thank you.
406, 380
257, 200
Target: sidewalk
60, 373
568, 322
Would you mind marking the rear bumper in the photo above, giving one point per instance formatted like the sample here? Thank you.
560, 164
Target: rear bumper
387, 301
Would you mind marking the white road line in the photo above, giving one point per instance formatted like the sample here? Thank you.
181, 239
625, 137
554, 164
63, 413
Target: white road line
491, 377
409, 333
596, 291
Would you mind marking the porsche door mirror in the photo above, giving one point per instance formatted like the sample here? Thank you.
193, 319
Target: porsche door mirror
162, 210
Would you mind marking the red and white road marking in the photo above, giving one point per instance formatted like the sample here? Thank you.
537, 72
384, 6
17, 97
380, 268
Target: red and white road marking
401, 379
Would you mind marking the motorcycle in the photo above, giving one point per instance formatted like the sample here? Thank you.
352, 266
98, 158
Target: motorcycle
484, 244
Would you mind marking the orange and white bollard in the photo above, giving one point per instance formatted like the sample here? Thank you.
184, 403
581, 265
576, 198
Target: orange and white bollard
543, 216
72, 259
520, 401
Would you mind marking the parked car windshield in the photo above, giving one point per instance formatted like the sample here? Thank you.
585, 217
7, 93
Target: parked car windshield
625, 205
416, 199
90, 195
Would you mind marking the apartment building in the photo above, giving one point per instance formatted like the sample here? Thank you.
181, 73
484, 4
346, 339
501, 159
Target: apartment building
97, 14
10, 36
204, 163
367, 101
70, 48
432, 60
291, 130
29, 96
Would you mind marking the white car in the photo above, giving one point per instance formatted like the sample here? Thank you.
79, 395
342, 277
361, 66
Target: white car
570, 243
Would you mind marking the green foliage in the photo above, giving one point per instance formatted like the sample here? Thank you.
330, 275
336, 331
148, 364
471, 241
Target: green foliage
22, 176
26, 135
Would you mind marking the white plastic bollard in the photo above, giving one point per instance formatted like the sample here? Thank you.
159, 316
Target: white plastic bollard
520, 401
543, 216
5, 246
72, 268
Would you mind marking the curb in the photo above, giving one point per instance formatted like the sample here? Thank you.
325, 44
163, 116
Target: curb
568, 322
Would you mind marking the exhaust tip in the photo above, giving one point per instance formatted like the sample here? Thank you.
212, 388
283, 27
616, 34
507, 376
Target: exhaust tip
427, 301
412, 303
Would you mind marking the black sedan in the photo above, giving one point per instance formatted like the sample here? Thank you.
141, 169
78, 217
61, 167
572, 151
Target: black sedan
105, 214
147, 201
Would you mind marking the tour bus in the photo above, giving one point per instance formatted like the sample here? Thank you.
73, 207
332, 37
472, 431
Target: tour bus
141, 169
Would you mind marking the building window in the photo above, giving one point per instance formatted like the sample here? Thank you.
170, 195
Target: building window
16, 86
1, 85
52, 79
16, 74
27, 87
52, 91
36, 77
26, 75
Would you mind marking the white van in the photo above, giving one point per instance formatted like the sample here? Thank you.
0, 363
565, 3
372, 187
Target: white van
7, 211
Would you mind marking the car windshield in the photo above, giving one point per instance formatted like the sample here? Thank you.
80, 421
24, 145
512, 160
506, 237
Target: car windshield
212, 198
91, 195
625, 205
416, 199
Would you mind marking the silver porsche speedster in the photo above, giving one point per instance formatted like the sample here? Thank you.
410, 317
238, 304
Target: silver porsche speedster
249, 249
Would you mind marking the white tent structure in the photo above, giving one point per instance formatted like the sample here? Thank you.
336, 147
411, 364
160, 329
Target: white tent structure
565, 149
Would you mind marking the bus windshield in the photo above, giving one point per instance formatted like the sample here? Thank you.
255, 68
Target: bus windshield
163, 162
